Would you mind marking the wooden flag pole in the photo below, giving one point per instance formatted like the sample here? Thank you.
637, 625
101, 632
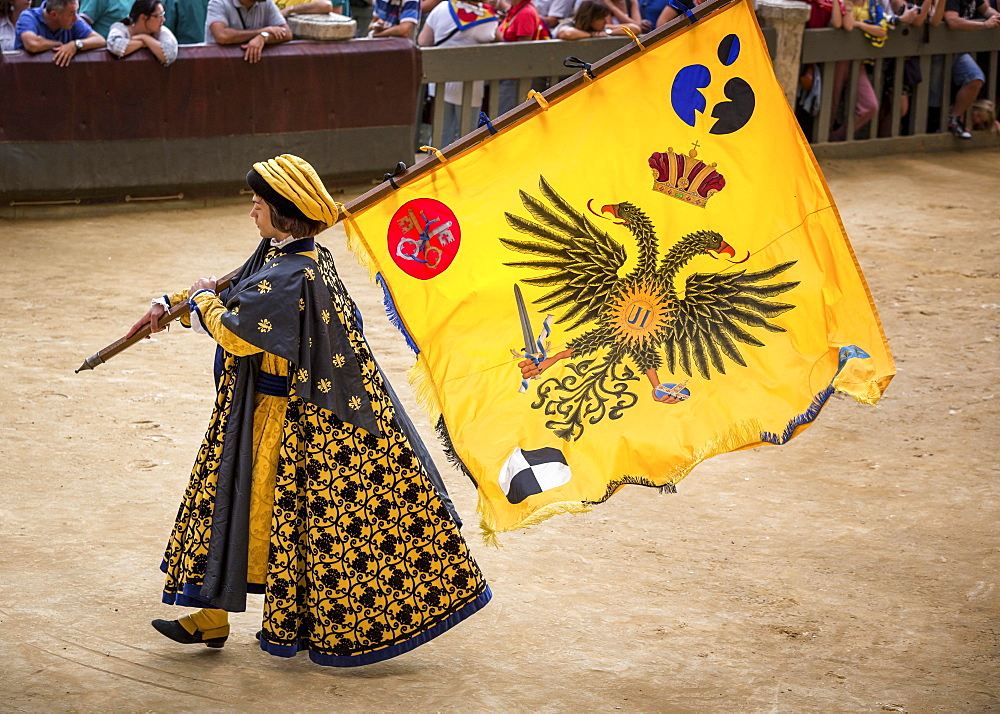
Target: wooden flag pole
470, 140
176, 311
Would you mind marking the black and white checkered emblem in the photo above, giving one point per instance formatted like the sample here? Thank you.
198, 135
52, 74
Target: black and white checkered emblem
529, 472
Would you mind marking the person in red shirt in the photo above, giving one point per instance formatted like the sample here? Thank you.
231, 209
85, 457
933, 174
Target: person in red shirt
522, 24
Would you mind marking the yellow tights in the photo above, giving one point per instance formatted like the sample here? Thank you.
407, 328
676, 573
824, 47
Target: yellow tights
211, 623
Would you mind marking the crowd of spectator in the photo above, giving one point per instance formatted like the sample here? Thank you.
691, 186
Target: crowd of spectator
68, 27
126, 26
877, 20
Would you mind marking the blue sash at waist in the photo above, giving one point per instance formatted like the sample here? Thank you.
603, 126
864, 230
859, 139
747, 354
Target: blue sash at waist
273, 385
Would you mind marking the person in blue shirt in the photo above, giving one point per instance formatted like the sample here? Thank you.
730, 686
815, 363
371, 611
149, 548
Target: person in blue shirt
394, 18
650, 10
674, 8
55, 26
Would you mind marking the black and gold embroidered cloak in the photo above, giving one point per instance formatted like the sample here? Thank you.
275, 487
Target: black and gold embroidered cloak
364, 560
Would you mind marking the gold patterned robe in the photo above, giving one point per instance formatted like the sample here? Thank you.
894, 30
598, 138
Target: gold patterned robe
356, 554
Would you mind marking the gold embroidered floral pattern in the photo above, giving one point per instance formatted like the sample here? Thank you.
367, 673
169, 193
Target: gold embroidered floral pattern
302, 375
324, 385
326, 316
264, 325
338, 360
310, 273
235, 310
354, 402
302, 304
263, 287
382, 560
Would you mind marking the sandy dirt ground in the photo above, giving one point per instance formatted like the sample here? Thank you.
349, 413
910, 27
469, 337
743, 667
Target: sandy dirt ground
854, 569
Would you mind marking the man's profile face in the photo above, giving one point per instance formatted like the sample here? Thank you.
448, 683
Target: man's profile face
65, 19
261, 214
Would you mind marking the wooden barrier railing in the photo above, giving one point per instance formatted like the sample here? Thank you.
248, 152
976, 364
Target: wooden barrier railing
539, 64
826, 47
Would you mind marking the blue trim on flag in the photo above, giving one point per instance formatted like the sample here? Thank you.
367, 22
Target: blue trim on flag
847, 353
381, 655
683, 9
394, 318
808, 416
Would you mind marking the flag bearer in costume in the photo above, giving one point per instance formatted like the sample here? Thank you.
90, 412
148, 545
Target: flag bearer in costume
311, 485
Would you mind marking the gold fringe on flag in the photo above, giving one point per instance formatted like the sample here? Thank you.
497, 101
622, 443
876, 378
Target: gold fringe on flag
423, 389
356, 244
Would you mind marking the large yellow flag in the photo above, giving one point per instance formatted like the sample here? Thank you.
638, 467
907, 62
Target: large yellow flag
646, 273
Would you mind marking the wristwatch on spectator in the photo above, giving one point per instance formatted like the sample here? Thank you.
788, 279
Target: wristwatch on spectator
265, 34
79, 44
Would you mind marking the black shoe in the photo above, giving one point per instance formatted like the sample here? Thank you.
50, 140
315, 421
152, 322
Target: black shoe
957, 127
176, 632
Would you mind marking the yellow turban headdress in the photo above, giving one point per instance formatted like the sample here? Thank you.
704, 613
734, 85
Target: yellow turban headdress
292, 186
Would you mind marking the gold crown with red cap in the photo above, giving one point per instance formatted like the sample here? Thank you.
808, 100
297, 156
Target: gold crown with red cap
685, 176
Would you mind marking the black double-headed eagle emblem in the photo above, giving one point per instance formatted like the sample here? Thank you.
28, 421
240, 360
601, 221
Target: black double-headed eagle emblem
637, 322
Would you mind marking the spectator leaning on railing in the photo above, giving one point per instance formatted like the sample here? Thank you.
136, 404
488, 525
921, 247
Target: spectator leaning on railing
649, 11
394, 18
591, 19
902, 12
143, 27
55, 26
623, 12
251, 24
675, 8
867, 16
10, 10
967, 15
522, 23
553, 12
984, 116
458, 23
901, 15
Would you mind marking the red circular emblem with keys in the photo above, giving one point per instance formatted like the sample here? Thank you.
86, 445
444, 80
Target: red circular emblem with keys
424, 236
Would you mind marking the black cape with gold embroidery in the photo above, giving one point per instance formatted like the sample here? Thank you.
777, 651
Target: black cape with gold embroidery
279, 302
284, 309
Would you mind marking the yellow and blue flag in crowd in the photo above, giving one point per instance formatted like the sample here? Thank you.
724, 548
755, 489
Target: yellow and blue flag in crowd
648, 272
